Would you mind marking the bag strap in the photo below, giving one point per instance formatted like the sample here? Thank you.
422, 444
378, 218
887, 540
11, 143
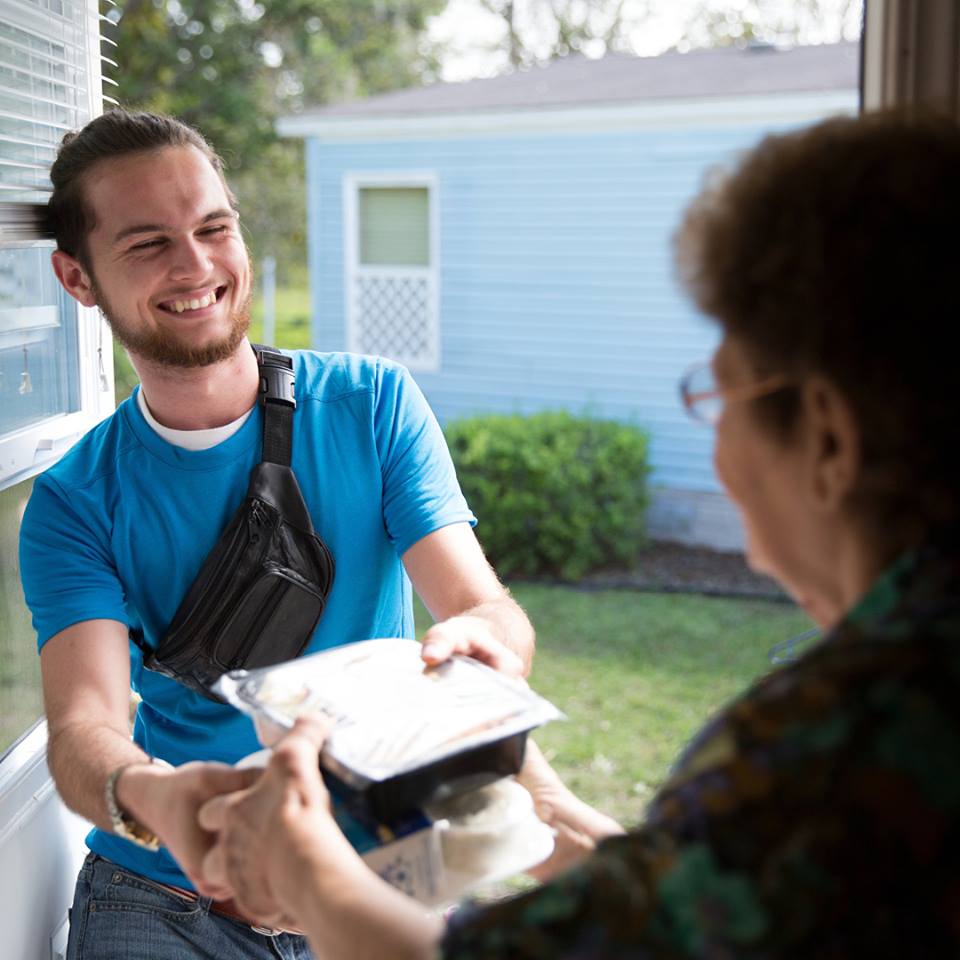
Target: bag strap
136, 637
277, 397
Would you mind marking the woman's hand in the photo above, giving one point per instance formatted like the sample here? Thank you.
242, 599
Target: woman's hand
272, 834
288, 865
169, 800
579, 827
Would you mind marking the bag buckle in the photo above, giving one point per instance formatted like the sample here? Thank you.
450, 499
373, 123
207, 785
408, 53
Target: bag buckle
276, 382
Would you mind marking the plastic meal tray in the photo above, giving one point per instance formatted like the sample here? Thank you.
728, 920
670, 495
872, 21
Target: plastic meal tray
403, 733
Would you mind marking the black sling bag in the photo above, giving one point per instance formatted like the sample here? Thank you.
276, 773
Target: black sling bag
263, 586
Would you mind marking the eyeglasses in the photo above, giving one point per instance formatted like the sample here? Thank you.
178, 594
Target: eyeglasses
704, 400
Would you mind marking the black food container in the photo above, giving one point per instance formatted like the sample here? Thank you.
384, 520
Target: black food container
392, 800
403, 734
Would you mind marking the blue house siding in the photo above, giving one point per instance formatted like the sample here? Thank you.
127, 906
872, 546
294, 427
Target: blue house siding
556, 278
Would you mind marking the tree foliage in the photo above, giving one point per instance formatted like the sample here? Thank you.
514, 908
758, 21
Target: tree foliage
716, 24
539, 30
528, 32
232, 67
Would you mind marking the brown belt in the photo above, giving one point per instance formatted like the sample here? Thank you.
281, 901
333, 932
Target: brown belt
226, 908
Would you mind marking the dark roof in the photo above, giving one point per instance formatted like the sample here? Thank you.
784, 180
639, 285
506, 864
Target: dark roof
622, 78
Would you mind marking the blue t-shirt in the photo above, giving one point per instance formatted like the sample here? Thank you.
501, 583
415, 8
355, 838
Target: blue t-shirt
119, 528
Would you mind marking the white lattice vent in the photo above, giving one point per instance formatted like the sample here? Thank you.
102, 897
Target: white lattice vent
393, 318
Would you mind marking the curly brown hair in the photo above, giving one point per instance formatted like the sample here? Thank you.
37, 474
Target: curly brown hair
832, 251
112, 134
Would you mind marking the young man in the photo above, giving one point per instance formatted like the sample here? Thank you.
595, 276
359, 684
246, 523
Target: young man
116, 532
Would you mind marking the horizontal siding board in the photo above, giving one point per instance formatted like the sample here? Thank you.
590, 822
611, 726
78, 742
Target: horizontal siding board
557, 285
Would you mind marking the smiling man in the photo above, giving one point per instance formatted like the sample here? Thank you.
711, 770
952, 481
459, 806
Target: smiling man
116, 532
136, 293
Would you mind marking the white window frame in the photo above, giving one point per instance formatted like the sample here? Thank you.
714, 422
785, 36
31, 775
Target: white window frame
353, 183
28, 451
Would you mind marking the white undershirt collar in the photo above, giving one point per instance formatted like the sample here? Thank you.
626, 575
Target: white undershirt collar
191, 439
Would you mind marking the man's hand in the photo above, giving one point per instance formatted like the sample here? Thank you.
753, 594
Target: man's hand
473, 637
270, 834
167, 801
579, 827
475, 613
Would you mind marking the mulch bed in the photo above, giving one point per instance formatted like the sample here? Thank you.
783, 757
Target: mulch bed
673, 567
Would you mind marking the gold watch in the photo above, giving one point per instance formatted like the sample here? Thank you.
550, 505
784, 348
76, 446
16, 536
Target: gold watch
122, 823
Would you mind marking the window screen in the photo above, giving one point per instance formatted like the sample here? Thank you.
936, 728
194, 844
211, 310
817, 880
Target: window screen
21, 703
50, 393
49, 84
394, 226
38, 341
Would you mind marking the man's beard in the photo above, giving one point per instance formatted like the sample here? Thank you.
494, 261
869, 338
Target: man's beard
163, 347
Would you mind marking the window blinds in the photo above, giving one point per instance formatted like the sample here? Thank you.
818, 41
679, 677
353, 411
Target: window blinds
49, 83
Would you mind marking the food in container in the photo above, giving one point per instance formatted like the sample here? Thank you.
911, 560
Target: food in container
469, 839
490, 832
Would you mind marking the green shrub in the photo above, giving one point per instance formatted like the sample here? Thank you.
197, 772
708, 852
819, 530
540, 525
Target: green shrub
554, 493
124, 376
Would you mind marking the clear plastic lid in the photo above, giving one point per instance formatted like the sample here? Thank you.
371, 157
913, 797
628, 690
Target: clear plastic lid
392, 714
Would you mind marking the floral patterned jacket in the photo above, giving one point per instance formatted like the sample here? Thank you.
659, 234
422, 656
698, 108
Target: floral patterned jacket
818, 816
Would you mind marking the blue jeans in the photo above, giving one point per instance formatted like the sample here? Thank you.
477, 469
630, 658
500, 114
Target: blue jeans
118, 915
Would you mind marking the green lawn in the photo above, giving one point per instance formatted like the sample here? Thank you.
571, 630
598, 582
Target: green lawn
292, 319
637, 674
